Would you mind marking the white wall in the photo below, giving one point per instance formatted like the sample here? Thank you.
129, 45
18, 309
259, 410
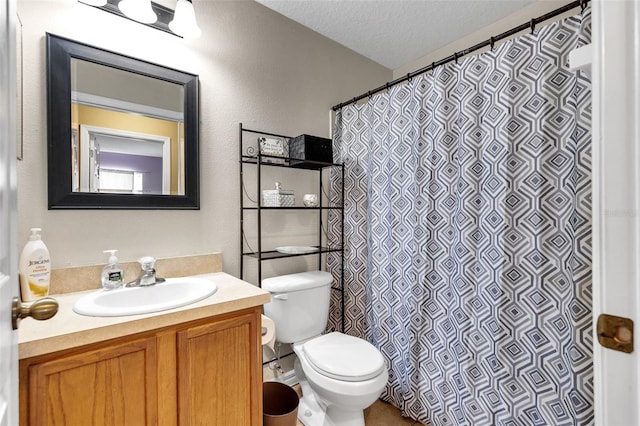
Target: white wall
255, 67
515, 19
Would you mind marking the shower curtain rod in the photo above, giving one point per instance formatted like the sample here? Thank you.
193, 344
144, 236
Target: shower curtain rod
456, 55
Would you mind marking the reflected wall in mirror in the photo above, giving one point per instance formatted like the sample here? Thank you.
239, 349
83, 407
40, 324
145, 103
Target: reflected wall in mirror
129, 131
122, 132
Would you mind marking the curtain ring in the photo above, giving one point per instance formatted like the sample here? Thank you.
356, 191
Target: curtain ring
533, 25
455, 56
387, 86
369, 94
409, 77
583, 5
491, 42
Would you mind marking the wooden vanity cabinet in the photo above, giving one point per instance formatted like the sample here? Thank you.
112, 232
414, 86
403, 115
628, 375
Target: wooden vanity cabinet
220, 372
205, 372
115, 384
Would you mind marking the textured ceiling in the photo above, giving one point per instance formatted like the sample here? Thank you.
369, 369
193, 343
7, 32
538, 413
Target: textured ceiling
395, 32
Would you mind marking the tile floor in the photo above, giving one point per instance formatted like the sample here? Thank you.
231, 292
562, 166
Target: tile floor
380, 414
385, 414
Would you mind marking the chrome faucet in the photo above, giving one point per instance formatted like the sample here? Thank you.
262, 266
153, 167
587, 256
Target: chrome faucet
148, 274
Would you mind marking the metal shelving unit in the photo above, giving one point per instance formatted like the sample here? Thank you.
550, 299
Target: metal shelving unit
258, 161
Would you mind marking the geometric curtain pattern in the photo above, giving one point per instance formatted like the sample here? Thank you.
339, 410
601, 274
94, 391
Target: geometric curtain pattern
468, 235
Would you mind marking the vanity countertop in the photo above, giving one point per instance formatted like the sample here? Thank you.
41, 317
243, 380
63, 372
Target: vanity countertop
67, 329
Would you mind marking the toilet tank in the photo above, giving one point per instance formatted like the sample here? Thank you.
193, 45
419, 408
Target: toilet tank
299, 304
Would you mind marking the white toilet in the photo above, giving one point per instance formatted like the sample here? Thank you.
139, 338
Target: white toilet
340, 375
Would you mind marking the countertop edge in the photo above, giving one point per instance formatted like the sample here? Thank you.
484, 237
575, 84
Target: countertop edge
68, 330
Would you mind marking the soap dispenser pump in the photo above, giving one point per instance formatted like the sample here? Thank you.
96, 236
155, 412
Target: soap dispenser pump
112, 274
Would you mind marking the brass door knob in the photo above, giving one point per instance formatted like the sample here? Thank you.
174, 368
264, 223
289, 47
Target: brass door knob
615, 333
41, 309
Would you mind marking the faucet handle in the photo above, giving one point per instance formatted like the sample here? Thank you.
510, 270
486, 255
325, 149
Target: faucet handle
147, 262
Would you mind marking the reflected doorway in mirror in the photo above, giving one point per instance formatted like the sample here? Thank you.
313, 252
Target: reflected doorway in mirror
123, 156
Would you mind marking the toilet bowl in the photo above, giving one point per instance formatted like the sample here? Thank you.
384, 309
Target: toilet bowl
340, 375
344, 374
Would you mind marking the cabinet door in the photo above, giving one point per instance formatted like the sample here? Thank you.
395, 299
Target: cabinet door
115, 385
220, 372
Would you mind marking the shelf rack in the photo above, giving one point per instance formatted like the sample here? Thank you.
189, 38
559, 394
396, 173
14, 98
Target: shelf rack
260, 160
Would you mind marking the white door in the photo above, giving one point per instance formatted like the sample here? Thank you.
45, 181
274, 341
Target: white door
8, 249
93, 171
616, 201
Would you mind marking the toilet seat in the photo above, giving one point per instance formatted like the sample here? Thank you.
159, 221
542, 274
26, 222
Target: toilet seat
343, 357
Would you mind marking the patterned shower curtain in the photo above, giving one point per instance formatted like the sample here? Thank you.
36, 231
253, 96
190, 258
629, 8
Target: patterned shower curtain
467, 235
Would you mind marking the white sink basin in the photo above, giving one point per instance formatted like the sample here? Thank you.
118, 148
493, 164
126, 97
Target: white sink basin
172, 293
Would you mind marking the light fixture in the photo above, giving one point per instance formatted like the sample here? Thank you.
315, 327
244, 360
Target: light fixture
184, 20
96, 3
138, 10
180, 22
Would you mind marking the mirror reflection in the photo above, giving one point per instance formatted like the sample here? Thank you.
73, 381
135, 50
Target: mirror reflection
122, 133
127, 132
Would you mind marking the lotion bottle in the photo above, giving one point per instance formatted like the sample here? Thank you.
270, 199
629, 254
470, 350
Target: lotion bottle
35, 268
112, 274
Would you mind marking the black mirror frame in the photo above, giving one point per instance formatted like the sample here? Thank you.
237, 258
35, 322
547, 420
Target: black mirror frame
59, 53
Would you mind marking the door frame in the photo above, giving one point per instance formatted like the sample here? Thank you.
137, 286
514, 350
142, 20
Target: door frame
87, 153
8, 215
616, 201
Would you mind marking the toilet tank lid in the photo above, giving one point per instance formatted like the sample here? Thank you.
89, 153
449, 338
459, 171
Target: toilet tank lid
295, 282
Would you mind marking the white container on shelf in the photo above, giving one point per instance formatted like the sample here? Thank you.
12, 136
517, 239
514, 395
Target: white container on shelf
278, 197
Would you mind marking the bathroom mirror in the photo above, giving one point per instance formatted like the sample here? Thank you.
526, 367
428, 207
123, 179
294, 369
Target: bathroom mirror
122, 133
